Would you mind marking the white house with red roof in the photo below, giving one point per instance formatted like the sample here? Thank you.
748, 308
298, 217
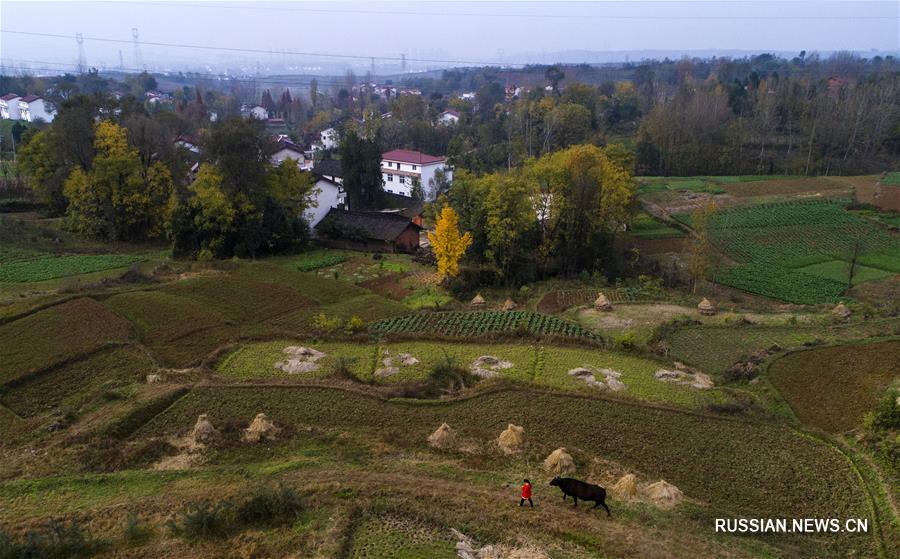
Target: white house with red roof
9, 106
402, 168
33, 107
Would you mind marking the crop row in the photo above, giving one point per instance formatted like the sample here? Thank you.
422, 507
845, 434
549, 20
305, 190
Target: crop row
17, 268
780, 283
466, 324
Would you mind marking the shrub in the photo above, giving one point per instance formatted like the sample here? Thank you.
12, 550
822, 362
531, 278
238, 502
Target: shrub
203, 520
57, 540
270, 507
355, 324
343, 368
447, 376
322, 323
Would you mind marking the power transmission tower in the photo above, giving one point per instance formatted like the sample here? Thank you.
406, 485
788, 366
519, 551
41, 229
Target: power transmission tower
82, 59
138, 59
403, 61
121, 61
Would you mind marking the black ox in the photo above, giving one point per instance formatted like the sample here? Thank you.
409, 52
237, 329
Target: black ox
581, 490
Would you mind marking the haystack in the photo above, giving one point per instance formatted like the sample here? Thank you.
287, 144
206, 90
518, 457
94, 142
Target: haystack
559, 462
508, 305
511, 440
840, 312
601, 303
444, 438
626, 488
261, 428
663, 494
706, 307
203, 430
477, 301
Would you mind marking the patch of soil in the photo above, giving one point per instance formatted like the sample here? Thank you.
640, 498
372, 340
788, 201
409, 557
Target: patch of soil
589, 376
389, 285
488, 366
659, 246
301, 360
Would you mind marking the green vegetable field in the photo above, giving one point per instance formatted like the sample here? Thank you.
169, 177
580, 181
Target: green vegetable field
800, 251
27, 266
475, 323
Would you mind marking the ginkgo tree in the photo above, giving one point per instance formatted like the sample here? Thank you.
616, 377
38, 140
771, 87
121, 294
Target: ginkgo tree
448, 244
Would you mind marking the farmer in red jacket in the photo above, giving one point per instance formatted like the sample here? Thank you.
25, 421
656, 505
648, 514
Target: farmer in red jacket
526, 493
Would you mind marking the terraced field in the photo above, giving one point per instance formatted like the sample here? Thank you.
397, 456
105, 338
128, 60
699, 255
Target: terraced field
50, 336
735, 467
476, 323
798, 251
832, 388
22, 265
530, 364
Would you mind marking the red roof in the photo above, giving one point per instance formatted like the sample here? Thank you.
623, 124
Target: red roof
31, 98
409, 156
9, 97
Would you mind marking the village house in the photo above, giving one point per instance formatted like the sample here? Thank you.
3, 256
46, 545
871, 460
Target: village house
330, 138
329, 169
368, 231
258, 112
33, 108
448, 117
403, 168
286, 149
328, 194
9, 106
188, 143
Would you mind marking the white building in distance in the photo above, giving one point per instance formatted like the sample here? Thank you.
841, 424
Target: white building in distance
330, 138
402, 168
328, 194
33, 108
9, 106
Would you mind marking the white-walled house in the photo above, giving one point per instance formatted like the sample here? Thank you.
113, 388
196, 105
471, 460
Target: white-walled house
330, 138
330, 169
328, 194
259, 112
288, 150
400, 168
448, 117
9, 107
33, 107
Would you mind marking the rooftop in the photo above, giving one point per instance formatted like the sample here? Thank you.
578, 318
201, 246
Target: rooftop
328, 168
374, 225
9, 97
30, 98
410, 156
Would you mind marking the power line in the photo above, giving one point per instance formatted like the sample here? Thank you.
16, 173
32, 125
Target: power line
506, 15
259, 51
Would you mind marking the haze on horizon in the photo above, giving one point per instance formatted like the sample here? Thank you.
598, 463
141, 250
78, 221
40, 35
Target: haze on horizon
289, 36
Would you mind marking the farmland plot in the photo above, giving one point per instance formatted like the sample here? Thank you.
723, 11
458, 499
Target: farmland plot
19, 266
475, 323
794, 251
733, 467
539, 365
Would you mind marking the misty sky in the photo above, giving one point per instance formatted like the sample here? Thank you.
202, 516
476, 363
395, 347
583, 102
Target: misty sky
456, 32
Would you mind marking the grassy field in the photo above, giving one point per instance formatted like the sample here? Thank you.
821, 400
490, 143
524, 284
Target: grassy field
530, 364
796, 251
646, 227
832, 388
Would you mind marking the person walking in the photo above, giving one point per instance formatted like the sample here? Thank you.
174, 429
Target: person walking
526, 494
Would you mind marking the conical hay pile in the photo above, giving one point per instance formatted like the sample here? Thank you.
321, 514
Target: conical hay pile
511, 440
261, 428
443, 438
706, 307
601, 303
663, 494
840, 311
626, 488
203, 430
559, 462
477, 300
508, 305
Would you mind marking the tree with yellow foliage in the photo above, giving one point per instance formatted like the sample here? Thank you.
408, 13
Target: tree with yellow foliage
449, 246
